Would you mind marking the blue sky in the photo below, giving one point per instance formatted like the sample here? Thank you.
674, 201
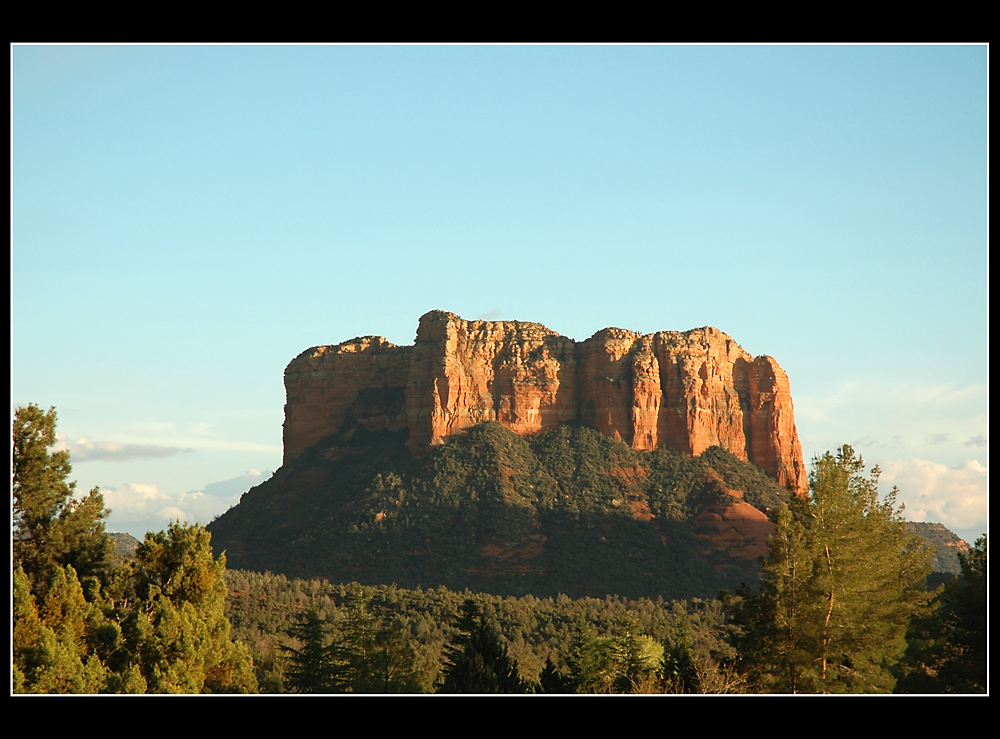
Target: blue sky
187, 219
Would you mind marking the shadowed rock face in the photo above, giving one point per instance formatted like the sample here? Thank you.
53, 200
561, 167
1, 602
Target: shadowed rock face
685, 391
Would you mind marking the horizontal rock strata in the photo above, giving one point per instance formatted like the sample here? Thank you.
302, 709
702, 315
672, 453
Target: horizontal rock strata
684, 391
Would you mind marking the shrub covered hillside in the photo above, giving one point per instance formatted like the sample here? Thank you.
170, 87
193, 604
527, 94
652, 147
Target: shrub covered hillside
568, 511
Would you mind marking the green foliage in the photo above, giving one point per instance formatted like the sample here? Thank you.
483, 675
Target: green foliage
634, 656
947, 649
535, 631
476, 661
679, 669
965, 617
494, 512
627, 662
314, 665
841, 583
552, 681
81, 626
52, 528
379, 657
590, 667
53, 646
175, 628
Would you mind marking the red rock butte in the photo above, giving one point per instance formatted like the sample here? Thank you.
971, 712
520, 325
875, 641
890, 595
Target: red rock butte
682, 390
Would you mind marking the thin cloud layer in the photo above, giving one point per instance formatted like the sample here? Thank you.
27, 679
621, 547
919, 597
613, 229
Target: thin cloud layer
85, 450
141, 507
956, 497
931, 422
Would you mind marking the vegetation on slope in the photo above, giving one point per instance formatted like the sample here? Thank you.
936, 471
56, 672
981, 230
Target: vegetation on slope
568, 511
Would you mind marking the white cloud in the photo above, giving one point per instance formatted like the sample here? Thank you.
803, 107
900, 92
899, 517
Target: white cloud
139, 507
943, 423
956, 497
139, 504
84, 450
171, 513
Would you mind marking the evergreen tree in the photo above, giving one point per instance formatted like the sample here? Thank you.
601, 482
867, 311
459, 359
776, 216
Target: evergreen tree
392, 666
315, 664
964, 615
51, 650
476, 661
779, 638
51, 528
359, 645
175, 628
680, 674
379, 657
626, 655
61, 557
81, 627
552, 681
590, 666
947, 650
841, 584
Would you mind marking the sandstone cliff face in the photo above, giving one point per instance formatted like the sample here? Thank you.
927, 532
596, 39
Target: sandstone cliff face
685, 391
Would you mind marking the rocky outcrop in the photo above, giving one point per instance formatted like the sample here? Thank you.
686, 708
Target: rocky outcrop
729, 524
685, 391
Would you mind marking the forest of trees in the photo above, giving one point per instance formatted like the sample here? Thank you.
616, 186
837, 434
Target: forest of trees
842, 607
156, 624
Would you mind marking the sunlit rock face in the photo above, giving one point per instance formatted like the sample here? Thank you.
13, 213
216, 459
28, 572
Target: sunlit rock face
684, 391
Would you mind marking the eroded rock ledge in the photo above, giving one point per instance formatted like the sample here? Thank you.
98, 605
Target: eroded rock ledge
685, 391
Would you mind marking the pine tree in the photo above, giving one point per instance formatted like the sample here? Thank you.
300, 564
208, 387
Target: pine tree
779, 638
476, 661
51, 650
679, 672
52, 528
964, 618
314, 666
61, 557
626, 655
393, 663
841, 584
552, 681
947, 650
590, 667
175, 627
80, 626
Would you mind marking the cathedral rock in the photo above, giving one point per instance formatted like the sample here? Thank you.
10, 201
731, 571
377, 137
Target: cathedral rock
683, 390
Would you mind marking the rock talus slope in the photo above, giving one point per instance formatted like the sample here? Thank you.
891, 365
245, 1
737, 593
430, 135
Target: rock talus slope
685, 391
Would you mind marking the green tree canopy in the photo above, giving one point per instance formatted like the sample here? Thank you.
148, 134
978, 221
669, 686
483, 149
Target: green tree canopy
155, 624
841, 583
52, 527
176, 628
379, 656
965, 619
477, 661
316, 664
947, 651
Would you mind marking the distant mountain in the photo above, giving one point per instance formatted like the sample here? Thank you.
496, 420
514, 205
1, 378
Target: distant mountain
946, 544
124, 546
